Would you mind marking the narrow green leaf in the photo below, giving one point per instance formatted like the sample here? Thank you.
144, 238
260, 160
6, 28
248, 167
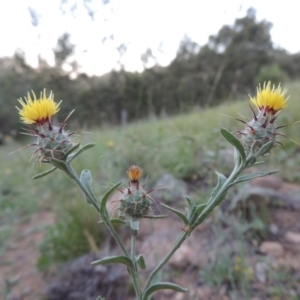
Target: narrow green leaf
162, 286
86, 179
191, 208
115, 221
83, 148
178, 213
259, 163
154, 216
221, 181
252, 162
72, 149
200, 208
252, 176
105, 198
114, 260
235, 142
264, 149
190, 201
141, 261
44, 173
100, 298
59, 164
197, 210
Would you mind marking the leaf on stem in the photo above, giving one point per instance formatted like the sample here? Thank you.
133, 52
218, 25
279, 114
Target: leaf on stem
72, 149
178, 213
60, 164
141, 261
221, 180
252, 176
155, 216
115, 260
266, 148
114, 221
83, 148
199, 209
191, 208
44, 173
162, 286
235, 142
104, 199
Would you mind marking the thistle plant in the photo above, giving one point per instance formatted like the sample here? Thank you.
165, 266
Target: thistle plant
262, 128
51, 141
55, 146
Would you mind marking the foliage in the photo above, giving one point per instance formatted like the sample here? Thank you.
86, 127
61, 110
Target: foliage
149, 143
75, 233
273, 73
228, 65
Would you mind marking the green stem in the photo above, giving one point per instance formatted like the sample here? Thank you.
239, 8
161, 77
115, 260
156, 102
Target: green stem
133, 240
134, 273
176, 246
217, 199
94, 201
219, 196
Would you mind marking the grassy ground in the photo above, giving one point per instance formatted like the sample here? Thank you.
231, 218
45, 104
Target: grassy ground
186, 146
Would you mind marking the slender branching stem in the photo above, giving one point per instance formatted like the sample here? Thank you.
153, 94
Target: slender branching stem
94, 202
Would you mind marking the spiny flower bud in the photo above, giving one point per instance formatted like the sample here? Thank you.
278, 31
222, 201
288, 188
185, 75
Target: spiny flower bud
135, 201
51, 141
262, 129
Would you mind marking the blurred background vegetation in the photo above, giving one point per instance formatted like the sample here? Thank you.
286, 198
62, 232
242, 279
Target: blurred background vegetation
231, 64
199, 85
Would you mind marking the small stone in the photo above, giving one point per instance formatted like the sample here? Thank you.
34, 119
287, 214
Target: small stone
204, 292
174, 189
272, 182
261, 271
179, 296
183, 257
26, 291
292, 237
274, 229
226, 157
274, 249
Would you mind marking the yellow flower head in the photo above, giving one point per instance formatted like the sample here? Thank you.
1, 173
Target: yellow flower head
110, 144
134, 173
38, 111
270, 99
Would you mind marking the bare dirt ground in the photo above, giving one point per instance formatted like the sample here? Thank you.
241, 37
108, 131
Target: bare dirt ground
19, 276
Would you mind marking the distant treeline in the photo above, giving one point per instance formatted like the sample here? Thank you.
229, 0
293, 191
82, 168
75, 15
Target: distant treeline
231, 64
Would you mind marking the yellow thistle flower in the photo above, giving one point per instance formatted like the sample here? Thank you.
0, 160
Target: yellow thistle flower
134, 173
38, 111
110, 144
270, 99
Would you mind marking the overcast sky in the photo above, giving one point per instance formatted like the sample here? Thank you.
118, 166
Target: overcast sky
141, 24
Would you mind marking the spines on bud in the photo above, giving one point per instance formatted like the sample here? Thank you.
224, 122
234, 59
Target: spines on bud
51, 141
135, 201
262, 129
